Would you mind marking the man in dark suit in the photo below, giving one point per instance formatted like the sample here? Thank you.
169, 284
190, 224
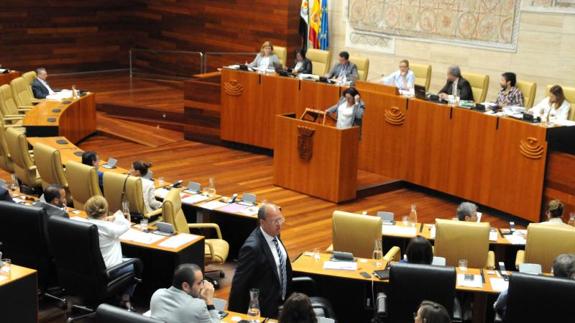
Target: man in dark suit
264, 265
40, 86
54, 201
456, 85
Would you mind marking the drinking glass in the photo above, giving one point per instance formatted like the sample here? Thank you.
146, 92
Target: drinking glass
211, 187
144, 225
161, 181
571, 219
316, 255
6, 266
462, 264
378, 253
254, 306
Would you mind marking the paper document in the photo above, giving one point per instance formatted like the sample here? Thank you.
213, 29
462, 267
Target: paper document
396, 230
161, 193
340, 265
193, 199
250, 211
475, 282
515, 239
178, 240
493, 236
212, 205
140, 237
499, 284
233, 208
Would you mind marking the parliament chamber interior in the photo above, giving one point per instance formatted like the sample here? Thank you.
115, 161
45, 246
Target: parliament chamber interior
291, 161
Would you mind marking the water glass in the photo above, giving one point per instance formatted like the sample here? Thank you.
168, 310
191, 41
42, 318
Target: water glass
571, 219
144, 225
161, 182
316, 255
6, 266
211, 187
13, 183
462, 264
378, 253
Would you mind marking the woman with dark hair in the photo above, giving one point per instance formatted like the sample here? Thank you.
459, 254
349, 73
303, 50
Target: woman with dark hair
302, 64
431, 312
142, 169
553, 107
348, 110
297, 309
419, 251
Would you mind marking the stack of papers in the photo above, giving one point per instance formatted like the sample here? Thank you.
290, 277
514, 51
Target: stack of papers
141, 237
59, 96
193, 199
516, 238
178, 240
396, 230
212, 205
340, 265
233, 208
250, 211
475, 282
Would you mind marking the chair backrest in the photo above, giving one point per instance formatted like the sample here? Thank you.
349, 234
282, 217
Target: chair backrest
7, 103
355, 233
570, 97
281, 53
23, 164
172, 211
546, 242
111, 314
529, 89
422, 74
29, 77
479, 85
83, 183
5, 157
410, 284
76, 249
116, 185
539, 299
24, 238
320, 60
362, 64
22, 91
49, 165
455, 240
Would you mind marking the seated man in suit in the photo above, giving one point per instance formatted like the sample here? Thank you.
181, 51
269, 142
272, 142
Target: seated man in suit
189, 299
40, 86
467, 211
263, 264
509, 95
456, 85
344, 71
53, 201
554, 215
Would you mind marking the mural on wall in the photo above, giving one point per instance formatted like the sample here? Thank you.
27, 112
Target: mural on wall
478, 23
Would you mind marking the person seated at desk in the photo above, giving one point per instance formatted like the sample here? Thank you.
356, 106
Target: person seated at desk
419, 251
110, 228
141, 169
5, 194
554, 106
40, 87
302, 64
509, 95
297, 309
189, 299
456, 85
348, 110
90, 158
431, 312
467, 211
266, 59
53, 201
554, 214
403, 79
344, 71
563, 267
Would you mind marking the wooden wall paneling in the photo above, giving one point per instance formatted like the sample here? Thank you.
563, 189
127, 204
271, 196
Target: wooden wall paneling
239, 97
202, 108
318, 96
560, 182
279, 95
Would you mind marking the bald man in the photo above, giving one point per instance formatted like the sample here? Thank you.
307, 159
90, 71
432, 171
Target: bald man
263, 264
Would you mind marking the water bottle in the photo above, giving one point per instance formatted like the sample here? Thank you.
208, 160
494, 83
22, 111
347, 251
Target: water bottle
378, 253
413, 215
254, 308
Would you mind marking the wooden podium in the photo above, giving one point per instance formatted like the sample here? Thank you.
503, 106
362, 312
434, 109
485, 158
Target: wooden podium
316, 159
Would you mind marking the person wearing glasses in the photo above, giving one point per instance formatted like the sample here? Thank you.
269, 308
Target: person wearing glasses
263, 264
403, 79
189, 299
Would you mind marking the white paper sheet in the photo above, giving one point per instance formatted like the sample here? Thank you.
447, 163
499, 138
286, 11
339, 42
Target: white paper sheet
493, 236
177, 240
499, 284
140, 237
396, 230
476, 282
251, 211
161, 193
212, 205
193, 199
340, 265
517, 239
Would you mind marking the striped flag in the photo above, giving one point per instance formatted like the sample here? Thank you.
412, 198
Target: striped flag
314, 22
304, 22
324, 30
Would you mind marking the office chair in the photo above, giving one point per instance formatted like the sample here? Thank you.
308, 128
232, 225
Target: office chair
22, 92
539, 299
29, 77
5, 157
9, 105
24, 166
362, 64
529, 89
422, 73
112, 314
49, 165
81, 268
410, 284
117, 186
308, 286
83, 183
320, 60
479, 85
544, 243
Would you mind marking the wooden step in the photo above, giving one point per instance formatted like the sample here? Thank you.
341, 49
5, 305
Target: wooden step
143, 134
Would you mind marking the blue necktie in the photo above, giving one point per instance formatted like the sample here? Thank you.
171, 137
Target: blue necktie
282, 268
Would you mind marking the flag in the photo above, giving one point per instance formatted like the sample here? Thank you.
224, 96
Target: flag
304, 22
314, 22
323, 30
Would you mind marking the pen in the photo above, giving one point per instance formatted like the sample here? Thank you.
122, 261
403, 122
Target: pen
482, 277
421, 227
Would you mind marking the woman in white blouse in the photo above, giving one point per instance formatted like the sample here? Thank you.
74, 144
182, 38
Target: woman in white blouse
110, 228
266, 59
553, 107
142, 169
348, 110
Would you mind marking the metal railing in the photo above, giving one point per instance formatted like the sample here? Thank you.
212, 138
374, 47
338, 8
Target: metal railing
229, 58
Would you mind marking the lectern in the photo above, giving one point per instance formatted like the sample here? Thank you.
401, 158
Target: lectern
316, 159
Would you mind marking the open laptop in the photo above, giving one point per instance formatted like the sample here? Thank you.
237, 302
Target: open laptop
419, 91
111, 163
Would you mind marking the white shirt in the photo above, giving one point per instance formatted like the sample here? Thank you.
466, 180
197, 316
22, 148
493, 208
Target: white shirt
454, 88
403, 83
150, 201
544, 109
298, 67
558, 222
109, 233
272, 246
50, 91
264, 63
344, 116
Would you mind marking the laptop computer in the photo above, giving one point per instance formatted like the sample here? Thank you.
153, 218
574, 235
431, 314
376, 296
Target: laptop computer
111, 163
419, 91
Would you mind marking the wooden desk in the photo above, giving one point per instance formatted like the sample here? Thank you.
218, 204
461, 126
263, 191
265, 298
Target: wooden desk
74, 120
234, 317
18, 295
6, 78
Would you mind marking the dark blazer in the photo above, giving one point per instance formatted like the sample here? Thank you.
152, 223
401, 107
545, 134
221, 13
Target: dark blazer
39, 90
5, 195
463, 86
257, 269
306, 68
51, 210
